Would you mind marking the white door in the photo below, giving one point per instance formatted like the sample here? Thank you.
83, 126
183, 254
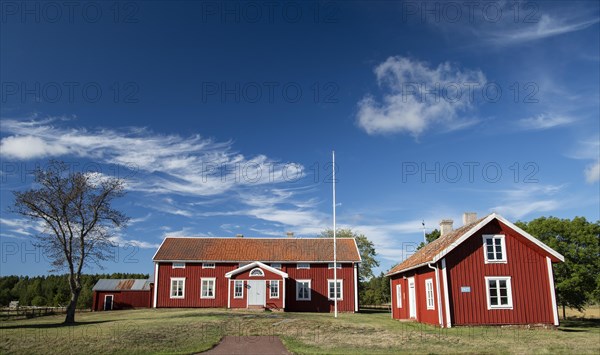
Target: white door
412, 304
256, 292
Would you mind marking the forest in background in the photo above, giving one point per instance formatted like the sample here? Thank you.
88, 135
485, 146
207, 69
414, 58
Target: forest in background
52, 290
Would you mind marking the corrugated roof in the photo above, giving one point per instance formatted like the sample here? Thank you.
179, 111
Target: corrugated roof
122, 285
256, 249
429, 251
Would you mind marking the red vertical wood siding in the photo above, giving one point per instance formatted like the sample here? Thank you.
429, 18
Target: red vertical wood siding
400, 313
424, 315
526, 265
318, 273
123, 299
193, 272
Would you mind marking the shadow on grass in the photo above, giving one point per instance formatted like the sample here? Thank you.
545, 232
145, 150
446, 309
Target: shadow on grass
579, 324
52, 325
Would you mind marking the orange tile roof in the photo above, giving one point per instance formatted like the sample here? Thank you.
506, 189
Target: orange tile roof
256, 249
429, 251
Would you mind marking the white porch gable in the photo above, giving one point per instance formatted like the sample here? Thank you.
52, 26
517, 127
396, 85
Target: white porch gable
253, 265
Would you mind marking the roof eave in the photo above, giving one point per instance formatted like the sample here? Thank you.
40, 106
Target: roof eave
409, 268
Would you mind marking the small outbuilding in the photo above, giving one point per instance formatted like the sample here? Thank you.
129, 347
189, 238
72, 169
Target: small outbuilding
112, 294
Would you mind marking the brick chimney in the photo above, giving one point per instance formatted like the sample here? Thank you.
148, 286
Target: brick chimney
445, 226
469, 217
239, 236
290, 234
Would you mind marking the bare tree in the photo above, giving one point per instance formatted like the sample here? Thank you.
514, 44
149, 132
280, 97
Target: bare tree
75, 209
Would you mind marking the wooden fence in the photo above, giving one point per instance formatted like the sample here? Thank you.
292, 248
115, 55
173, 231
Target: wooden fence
31, 312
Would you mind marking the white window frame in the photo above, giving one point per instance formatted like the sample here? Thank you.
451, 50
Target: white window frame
330, 265
502, 239
341, 282
235, 283
262, 273
276, 266
399, 296
178, 266
303, 266
429, 295
208, 265
182, 287
214, 287
508, 292
276, 282
309, 290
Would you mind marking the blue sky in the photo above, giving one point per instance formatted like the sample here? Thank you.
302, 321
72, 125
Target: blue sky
222, 117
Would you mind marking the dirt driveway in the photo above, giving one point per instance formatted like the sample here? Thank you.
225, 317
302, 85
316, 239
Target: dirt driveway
249, 345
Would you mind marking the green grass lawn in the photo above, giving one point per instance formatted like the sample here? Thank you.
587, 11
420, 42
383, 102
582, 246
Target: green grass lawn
195, 330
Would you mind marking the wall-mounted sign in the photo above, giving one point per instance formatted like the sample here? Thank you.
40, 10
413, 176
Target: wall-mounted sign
465, 289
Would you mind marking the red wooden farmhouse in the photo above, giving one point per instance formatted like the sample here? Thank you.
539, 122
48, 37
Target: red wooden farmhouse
488, 271
291, 274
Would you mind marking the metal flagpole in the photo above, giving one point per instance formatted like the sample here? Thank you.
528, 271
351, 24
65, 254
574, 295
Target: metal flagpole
335, 284
424, 233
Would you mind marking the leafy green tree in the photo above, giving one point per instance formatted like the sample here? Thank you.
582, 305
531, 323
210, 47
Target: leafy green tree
76, 211
576, 280
365, 248
430, 237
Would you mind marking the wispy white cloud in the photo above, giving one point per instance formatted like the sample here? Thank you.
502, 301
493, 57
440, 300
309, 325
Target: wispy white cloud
183, 175
546, 26
544, 121
121, 241
529, 198
191, 165
588, 149
408, 106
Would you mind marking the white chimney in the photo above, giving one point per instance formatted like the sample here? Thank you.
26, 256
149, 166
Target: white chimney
445, 226
290, 234
239, 236
469, 217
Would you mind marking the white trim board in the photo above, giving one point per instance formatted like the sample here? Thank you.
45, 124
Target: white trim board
254, 265
552, 290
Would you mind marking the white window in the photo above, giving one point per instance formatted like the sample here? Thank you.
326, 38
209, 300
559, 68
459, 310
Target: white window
338, 266
303, 266
208, 288
276, 266
399, 296
494, 249
337, 290
274, 288
429, 293
177, 287
238, 289
208, 265
178, 265
257, 272
499, 292
303, 290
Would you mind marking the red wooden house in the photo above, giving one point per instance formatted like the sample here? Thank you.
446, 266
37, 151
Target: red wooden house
109, 294
488, 271
291, 274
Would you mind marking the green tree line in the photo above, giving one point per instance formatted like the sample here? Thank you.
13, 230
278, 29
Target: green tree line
52, 290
